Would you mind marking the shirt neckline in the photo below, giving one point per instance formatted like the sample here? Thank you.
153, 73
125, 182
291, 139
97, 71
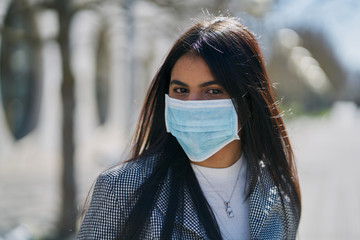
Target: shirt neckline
227, 171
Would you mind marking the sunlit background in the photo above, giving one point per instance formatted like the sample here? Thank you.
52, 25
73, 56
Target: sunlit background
74, 73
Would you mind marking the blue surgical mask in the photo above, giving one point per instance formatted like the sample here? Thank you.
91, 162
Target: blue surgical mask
202, 127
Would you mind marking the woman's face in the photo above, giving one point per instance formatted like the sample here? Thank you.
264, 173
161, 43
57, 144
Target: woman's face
191, 79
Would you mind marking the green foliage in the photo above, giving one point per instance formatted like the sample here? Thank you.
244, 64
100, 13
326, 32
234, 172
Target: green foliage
294, 110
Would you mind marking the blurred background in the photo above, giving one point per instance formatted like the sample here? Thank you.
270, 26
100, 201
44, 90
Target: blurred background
74, 73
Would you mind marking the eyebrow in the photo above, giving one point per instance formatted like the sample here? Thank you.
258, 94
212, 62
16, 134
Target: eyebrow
177, 82
205, 84
212, 82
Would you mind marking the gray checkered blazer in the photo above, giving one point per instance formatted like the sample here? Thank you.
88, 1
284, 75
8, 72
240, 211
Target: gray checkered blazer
112, 201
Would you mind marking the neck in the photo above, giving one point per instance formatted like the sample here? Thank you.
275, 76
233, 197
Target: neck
225, 157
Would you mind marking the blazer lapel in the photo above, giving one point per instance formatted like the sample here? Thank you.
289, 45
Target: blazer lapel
191, 221
264, 197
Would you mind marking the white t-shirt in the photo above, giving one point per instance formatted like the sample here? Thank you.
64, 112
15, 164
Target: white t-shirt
221, 181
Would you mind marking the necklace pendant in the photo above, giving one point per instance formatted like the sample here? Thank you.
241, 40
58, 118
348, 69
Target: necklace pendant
228, 210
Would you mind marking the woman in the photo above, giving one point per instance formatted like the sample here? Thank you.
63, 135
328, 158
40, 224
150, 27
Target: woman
211, 157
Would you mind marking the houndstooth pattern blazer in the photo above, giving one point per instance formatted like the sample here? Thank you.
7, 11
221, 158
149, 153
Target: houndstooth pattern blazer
112, 202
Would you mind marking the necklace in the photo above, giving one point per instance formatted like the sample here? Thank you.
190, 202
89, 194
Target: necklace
228, 209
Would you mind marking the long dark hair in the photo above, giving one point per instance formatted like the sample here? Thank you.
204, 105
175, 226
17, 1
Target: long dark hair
233, 56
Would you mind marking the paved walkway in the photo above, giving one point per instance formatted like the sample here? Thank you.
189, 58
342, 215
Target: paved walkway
328, 155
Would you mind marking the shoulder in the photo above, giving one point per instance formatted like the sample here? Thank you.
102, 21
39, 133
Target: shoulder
113, 198
139, 166
131, 173
123, 180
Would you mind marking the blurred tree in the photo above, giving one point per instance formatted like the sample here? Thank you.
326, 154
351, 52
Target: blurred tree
66, 10
68, 212
318, 44
102, 75
307, 69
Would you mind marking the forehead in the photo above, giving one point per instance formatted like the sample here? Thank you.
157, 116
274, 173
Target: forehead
191, 68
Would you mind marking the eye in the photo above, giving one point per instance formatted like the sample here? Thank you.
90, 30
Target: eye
179, 90
215, 91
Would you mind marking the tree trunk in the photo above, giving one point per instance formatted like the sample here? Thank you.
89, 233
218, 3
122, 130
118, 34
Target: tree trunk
68, 213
